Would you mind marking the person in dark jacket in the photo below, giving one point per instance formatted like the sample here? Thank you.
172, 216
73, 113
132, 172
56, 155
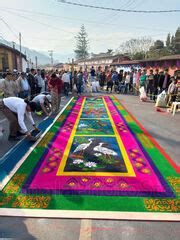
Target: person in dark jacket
79, 82
156, 82
150, 85
164, 81
32, 83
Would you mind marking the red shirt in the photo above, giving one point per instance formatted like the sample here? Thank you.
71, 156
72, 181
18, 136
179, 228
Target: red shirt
56, 83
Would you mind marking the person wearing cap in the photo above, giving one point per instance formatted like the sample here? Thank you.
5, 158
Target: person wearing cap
42, 102
15, 109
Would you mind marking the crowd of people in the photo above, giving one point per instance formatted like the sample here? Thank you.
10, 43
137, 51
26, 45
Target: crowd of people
38, 90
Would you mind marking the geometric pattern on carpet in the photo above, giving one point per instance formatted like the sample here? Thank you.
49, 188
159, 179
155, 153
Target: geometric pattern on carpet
95, 157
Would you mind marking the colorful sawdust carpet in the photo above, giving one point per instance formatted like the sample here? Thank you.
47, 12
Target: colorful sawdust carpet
95, 161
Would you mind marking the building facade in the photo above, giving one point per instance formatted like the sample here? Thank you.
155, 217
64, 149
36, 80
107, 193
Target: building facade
102, 60
11, 58
167, 62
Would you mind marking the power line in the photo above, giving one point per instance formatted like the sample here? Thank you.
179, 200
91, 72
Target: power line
2, 37
119, 9
8, 26
76, 19
44, 24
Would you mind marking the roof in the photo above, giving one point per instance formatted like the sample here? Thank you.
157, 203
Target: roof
170, 57
126, 62
12, 49
101, 57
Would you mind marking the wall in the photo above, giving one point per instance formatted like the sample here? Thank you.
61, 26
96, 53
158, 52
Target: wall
9, 55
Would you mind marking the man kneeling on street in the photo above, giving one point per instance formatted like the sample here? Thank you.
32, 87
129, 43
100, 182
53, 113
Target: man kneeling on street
14, 109
42, 103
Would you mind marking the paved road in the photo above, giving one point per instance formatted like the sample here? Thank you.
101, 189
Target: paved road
166, 130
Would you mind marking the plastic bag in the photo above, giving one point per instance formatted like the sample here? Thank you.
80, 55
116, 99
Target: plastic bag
161, 100
74, 87
143, 96
95, 86
89, 88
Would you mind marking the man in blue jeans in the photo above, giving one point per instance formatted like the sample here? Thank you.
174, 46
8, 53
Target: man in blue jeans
79, 82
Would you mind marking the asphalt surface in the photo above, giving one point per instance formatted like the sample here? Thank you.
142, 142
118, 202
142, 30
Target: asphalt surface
166, 130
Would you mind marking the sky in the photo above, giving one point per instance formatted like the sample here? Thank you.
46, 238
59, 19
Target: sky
50, 25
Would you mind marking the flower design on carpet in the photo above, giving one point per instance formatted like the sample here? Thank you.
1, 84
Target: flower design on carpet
44, 142
139, 162
32, 202
162, 205
175, 182
15, 184
52, 161
4, 200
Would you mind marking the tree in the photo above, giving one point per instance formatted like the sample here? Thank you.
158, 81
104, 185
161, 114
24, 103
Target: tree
110, 51
168, 41
173, 43
82, 44
138, 56
134, 46
157, 53
158, 44
177, 41
158, 50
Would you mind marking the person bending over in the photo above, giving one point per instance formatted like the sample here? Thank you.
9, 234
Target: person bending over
15, 109
42, 103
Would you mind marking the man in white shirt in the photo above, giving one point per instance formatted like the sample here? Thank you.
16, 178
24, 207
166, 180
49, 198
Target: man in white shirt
66, 80
42, 102
135, 76
24, 88
14, 109
39, 81
127, 82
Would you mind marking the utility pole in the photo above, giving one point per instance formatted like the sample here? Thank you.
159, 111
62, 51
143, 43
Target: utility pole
36, 62
28, 62
20, 38
72, 72
72, 69
14, 57
51, 56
